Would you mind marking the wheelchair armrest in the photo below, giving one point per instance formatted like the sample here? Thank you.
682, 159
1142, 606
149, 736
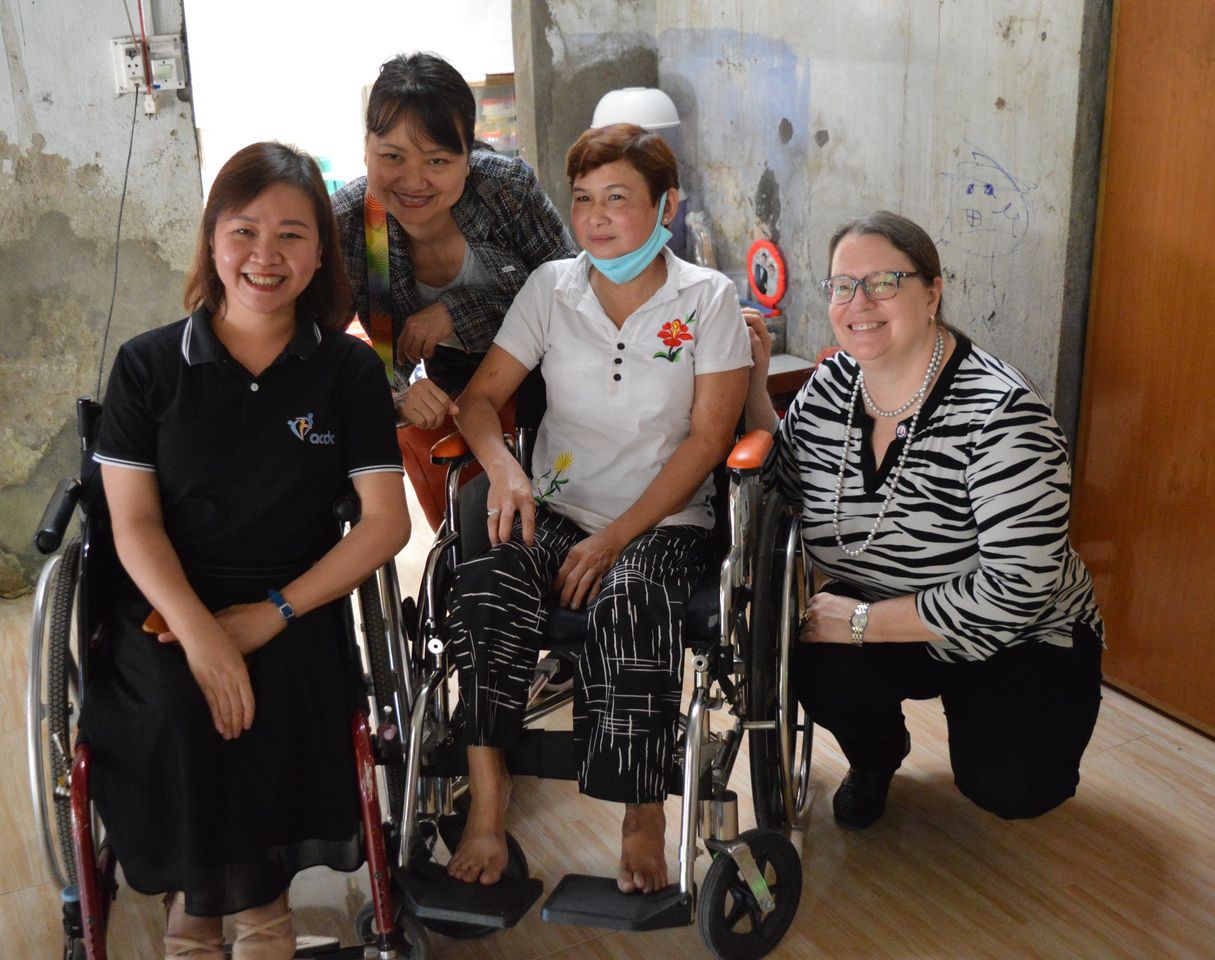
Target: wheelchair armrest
56, 516
451, 449
747, 457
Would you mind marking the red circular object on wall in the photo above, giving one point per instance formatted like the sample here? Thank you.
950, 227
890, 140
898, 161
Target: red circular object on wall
766, 272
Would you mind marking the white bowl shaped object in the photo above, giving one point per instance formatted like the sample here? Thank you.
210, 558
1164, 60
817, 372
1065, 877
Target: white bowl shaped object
647, 107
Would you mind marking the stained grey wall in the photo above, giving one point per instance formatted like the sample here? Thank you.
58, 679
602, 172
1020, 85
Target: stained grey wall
64, 138
568, 53
979, 119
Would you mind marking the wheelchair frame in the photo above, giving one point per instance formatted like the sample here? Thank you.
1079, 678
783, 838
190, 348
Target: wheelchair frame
757, 590
758, 598
85, 867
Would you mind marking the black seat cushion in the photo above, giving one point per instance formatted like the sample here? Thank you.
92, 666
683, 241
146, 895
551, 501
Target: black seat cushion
566, 629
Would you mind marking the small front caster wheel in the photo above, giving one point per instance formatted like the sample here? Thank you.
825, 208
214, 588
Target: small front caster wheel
729, 913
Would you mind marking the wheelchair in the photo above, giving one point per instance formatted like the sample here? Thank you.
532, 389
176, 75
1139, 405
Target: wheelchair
67, 631
741, 622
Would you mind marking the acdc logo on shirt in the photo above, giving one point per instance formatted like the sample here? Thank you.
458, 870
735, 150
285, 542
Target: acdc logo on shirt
302, 428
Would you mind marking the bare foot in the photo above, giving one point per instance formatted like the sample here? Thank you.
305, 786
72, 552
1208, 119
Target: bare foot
481, 853
643, 865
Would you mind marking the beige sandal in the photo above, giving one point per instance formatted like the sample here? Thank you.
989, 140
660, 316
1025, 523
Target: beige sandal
272, 940
176, 946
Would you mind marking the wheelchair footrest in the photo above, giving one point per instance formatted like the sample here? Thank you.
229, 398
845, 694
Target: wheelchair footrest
433, 895
597, 902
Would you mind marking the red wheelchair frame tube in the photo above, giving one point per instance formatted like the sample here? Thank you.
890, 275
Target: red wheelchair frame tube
369, 803
92, 911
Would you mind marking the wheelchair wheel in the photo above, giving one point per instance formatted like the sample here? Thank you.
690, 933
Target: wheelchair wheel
414, 941
775, 607
728, 913
53, 700
383, 683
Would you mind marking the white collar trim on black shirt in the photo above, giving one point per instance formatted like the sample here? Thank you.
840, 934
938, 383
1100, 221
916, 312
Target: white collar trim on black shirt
204, 347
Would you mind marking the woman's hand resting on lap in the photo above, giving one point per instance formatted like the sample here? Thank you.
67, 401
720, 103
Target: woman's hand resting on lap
221, 674
577, 582
510, 493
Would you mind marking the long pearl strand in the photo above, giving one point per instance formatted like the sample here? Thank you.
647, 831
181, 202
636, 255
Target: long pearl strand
934, 364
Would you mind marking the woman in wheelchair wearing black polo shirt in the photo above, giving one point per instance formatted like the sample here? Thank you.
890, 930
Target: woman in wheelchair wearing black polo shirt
225, 440
644, 360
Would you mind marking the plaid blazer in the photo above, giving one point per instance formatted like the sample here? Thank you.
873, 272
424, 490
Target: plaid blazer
510, 224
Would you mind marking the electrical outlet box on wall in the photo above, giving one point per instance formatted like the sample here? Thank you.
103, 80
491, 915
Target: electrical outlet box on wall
166, 61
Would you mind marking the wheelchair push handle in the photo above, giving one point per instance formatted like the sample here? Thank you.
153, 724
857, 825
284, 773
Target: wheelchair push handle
53, 524
347, 509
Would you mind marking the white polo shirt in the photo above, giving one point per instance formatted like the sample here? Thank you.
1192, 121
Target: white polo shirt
619, 401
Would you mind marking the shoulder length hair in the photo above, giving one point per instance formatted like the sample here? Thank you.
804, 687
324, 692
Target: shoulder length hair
250, 171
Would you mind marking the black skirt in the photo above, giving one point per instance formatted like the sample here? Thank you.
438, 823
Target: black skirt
229, 822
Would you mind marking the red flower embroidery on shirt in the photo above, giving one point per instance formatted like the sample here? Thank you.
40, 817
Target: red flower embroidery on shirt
674, 333
673, 336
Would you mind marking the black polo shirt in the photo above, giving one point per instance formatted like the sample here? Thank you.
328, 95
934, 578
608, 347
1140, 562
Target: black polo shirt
248, 467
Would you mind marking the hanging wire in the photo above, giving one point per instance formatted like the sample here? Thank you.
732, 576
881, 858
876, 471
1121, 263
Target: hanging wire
105, 335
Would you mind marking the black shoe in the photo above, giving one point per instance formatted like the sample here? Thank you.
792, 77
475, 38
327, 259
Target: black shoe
860, 799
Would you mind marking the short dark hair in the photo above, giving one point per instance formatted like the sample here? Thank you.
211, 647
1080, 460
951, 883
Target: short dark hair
905, 235
648, 153
431, 92
327, 298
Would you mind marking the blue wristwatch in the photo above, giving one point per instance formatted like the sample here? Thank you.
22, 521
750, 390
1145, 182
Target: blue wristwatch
284, 607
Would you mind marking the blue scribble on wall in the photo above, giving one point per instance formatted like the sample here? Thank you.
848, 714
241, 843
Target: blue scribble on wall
988, 209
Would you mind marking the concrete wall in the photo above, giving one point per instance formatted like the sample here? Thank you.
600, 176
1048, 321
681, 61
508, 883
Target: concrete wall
979, 119
64, 138
569, 53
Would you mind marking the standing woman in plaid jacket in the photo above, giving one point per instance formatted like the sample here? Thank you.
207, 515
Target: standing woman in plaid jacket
437, 238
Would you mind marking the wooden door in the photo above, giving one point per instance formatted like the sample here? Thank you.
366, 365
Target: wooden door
1145, 495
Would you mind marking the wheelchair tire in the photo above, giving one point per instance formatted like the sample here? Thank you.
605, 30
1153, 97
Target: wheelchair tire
383, 683
57, 706
768, 776
412, 939
727, 912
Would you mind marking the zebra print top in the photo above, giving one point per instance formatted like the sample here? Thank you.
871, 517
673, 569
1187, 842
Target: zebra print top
977, 528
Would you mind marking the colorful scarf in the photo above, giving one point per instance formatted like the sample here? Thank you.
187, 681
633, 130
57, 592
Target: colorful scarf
375, 232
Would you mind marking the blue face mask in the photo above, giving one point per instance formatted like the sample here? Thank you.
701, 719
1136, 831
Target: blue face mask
628, 266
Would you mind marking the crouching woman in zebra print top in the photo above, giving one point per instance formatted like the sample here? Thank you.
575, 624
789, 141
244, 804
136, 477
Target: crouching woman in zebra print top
934, 489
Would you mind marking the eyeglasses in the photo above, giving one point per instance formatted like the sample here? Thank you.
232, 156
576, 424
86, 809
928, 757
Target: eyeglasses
879, 285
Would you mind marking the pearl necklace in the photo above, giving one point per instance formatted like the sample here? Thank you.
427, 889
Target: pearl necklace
933, 365
937, 350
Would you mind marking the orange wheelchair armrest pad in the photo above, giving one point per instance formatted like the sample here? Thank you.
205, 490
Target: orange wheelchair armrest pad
451, 447
155, 623
750, 452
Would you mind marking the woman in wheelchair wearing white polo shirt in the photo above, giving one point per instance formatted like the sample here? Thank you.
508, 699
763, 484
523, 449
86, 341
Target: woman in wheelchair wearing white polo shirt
644, 359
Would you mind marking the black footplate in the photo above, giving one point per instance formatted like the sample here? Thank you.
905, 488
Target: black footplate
597, 902
433, 895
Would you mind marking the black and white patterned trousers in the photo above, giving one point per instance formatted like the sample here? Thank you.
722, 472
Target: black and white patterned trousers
626, 700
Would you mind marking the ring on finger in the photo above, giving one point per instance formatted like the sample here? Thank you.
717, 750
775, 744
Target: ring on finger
492, 512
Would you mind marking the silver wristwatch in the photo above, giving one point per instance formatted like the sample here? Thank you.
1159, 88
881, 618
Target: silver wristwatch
858, 621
